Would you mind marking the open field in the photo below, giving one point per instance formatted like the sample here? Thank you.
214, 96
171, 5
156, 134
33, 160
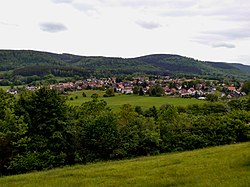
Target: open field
144, 101
218, 166
120, 99
5, 88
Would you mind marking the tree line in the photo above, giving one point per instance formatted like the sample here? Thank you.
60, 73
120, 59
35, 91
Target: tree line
38, 130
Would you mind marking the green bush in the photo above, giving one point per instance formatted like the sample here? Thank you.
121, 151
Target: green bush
94, 95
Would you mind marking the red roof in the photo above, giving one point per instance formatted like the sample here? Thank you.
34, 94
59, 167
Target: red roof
231, 88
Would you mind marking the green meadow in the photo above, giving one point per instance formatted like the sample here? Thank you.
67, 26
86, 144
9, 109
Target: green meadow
5, 88
225, 166
120, 99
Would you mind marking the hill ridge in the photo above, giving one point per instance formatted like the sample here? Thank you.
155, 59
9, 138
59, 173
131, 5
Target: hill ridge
21, 62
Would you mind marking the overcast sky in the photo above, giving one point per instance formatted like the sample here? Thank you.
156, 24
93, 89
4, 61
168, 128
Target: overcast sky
215, 30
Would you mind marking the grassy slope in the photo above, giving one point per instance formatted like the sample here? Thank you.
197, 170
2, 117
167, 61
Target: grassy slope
217, 166
144, 101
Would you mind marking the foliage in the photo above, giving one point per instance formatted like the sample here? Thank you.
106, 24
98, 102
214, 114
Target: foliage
109, 93
141, 92
208, 108
84, 94
38, 130
46, 114
156, 90
135, 90
138, 135
96, 132
212, 97
239, 104
246, 87
94, 96
151, 112
13, 132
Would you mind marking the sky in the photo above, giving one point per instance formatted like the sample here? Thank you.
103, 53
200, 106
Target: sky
208, 30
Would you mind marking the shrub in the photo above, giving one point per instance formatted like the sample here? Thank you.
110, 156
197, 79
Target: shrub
94, 95
84, 94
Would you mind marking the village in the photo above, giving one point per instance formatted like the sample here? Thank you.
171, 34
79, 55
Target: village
174, 87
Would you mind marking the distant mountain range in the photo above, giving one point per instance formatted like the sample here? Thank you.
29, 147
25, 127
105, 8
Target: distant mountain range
29, 63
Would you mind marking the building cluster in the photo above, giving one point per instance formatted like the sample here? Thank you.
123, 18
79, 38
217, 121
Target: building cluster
171, 87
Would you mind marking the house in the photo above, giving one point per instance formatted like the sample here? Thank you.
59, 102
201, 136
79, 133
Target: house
173, 90
120, 87
183, 91
166, 89
201, 98
231, 88
127, 90
31, 88
12, 91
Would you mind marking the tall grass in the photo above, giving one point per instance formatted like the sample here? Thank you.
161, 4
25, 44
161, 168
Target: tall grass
218, 166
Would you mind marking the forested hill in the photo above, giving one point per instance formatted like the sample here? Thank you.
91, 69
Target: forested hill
28, 63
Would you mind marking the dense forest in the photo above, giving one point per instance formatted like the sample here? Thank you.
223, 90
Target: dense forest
25, 66
38, 130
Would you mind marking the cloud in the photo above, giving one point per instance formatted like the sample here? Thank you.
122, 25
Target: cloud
52, 27
148, 24
142, 3
233, 11
182, 4
223, 10
179, 13
130, 3
8, 24
62, 1
222, 44
84, 7
222, 38
230, 34
89, 8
